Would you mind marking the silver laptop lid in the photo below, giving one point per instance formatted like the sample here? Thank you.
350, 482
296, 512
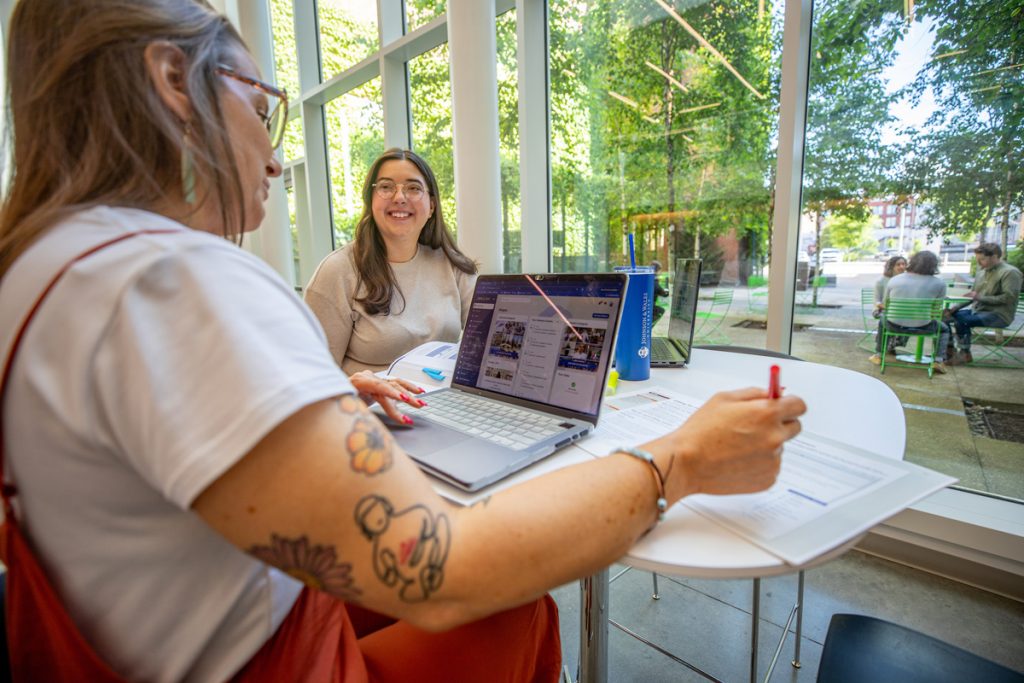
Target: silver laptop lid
685, 291
542, 341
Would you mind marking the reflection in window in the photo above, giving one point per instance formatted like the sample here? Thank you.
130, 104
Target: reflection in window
915, 111
348, 33
430, 91
292, 226
355, 137
662, 125
420, 12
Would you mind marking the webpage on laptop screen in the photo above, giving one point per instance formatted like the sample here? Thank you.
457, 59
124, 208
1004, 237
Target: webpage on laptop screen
542, 340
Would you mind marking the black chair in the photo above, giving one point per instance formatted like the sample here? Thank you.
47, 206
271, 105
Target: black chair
859, 648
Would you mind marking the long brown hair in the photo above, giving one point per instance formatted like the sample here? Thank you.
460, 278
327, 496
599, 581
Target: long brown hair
370, 252
88, 127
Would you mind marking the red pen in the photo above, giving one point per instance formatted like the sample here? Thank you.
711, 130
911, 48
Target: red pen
774, 390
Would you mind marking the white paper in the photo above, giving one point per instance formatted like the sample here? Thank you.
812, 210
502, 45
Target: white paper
826, 493
435, 355
815, 477
636, 417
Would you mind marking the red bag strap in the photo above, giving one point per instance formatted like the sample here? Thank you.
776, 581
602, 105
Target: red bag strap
9, 490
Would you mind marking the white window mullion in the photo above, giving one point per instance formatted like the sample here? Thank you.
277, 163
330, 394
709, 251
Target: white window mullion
534, 134
317, 196
796, 47
472, 45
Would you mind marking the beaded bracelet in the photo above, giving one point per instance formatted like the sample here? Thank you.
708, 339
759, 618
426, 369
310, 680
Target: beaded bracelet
659, 479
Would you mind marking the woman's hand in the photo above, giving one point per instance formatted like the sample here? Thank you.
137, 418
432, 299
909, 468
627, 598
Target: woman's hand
733, 444
387, 390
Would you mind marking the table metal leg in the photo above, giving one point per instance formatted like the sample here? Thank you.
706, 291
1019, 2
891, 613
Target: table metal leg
799, 619
755, 621
593, 665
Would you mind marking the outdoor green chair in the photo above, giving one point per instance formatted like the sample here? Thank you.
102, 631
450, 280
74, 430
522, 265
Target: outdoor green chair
913, 309
757, 294
711, 320
867, 307
991, 345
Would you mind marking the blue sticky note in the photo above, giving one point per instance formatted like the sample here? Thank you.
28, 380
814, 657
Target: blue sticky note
434, 373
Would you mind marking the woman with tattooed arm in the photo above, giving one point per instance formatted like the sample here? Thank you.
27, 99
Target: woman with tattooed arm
191, 484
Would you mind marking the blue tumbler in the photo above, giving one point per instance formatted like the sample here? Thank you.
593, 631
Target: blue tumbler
633, 345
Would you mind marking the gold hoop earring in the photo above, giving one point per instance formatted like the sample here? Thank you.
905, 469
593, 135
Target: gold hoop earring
188, 171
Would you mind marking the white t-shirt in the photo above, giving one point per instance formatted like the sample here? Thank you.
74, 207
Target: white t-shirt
433, 306
151, 369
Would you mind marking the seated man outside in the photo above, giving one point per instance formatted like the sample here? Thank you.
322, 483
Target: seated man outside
993, 299
919, 282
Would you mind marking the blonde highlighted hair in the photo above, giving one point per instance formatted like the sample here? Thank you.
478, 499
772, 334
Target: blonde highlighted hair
86, 124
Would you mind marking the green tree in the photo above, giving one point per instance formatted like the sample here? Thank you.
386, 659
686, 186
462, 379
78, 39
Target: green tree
968, 162
847, 232
845, 162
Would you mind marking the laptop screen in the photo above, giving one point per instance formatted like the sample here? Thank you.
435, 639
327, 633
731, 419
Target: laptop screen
542, 338
685, 290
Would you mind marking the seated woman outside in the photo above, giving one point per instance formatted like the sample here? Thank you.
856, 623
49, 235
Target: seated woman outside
402, 281
896, 265
190, 482
918, 282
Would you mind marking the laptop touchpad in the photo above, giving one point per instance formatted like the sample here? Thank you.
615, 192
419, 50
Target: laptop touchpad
424, 437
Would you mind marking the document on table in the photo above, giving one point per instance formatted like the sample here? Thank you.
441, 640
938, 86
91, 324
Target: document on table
827, 492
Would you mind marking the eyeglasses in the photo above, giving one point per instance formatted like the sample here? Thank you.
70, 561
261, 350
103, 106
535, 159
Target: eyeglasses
386, 189
276, 119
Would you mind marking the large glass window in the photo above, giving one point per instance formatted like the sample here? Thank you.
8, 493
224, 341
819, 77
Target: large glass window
348, 33
508, 131
916, 108
355, 137
430, 90
420, 12
663, 126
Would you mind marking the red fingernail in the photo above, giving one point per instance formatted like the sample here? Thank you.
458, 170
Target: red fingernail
406, 419
404, 397
421, 402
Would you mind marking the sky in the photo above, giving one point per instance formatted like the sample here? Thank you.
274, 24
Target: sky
912, 53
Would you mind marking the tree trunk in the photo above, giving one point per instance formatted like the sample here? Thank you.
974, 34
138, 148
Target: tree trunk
1004, 222
818, 221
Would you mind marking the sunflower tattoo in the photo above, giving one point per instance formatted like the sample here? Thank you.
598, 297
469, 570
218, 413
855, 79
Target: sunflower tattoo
316, 566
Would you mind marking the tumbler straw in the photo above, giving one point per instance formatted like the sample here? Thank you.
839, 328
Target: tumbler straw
632, 252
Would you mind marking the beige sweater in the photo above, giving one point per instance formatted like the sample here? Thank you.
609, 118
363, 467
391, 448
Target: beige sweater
434, 308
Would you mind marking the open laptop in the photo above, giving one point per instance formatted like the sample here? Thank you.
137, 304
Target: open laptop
673, 351
529, 378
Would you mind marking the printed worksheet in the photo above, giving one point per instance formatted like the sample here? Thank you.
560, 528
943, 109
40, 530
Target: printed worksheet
827, 492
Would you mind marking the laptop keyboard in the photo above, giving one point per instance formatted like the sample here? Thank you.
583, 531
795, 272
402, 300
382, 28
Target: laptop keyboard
661, 347
500, 423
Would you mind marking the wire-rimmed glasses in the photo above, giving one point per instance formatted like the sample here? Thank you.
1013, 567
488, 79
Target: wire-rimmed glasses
386, 189
276, 119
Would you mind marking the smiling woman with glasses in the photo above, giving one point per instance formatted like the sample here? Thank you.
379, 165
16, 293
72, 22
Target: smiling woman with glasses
402, 281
